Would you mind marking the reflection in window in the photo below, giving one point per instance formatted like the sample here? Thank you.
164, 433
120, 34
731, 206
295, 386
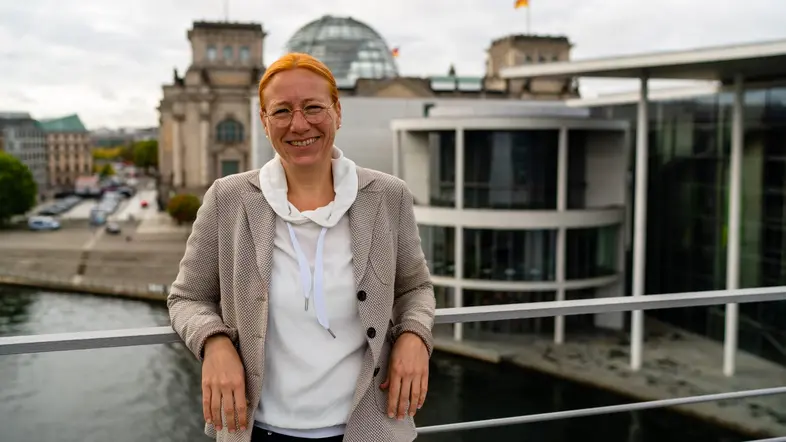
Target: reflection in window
442, 168
591, 252
511, 169
229, 131
510, 255
438, 244
228, 53
211, 53
519, 326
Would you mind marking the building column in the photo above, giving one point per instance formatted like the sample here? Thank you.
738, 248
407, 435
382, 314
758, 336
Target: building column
458, 291
640, 224
562, 205
204, 141
734, 224
178, 115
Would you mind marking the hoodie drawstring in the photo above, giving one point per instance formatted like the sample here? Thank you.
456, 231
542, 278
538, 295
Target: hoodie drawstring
318, 277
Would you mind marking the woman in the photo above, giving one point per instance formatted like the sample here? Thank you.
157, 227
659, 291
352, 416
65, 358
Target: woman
304, 290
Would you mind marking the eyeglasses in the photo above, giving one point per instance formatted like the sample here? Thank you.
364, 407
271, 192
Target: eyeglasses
313, 113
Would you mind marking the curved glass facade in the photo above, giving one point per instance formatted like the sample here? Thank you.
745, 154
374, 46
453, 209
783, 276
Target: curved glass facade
510, 255
591, 252
442, 167
351, 49
514, 169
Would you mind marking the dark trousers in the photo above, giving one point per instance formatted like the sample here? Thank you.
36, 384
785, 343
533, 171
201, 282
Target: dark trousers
262, 435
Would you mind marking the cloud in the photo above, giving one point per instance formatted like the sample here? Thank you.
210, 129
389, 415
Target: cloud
108, 63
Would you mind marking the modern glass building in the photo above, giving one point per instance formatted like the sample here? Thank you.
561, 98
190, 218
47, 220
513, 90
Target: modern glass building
710, 180
518, 209
351, 49
687, 230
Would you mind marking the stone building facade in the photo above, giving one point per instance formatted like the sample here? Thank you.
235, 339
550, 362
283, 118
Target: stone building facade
69, 151
204, 114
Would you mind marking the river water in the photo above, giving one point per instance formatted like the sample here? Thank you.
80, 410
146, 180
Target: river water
151, 393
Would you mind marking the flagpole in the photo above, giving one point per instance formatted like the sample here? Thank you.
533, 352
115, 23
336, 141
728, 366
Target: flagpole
529, 6
226, 10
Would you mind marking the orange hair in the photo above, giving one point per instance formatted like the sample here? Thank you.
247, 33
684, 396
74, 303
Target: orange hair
295, 60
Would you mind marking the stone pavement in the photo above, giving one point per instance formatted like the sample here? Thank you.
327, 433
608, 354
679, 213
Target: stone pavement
676, 364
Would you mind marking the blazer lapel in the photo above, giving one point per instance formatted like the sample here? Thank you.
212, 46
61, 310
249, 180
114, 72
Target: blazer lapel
362, 217
262, 224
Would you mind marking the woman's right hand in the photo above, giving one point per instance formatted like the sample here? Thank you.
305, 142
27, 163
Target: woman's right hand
223, 383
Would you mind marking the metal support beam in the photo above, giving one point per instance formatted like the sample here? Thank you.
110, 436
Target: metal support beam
458, 259
640, 225
734, 225
562, 205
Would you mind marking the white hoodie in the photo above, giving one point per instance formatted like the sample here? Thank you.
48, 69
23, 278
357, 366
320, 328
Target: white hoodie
310, 375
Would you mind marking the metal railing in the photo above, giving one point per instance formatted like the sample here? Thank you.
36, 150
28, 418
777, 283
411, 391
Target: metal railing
165, 335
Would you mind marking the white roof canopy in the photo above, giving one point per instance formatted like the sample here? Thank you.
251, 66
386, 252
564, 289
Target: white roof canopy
756, 62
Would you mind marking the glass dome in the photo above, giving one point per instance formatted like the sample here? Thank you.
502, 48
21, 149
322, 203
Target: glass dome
348, 47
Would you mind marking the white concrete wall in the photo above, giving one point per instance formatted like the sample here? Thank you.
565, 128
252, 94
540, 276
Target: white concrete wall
365, 134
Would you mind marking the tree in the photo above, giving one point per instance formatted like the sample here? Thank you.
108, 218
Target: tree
107, 170
146, 154
183, 207
17, 188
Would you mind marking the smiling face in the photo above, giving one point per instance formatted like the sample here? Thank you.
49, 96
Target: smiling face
300, 118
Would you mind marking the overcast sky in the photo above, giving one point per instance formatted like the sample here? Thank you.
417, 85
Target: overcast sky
106, 60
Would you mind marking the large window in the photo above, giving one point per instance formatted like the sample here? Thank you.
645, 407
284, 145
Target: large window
591, 252
510, 169
509, 255
518, 326
439, 247
229, 131
442, 168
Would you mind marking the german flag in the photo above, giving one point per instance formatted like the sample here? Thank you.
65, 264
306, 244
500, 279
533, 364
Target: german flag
521, 4
394, 52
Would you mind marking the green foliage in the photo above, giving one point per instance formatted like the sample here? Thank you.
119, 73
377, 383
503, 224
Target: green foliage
107, 153
17, 188
107, 170
183, 207
146, 154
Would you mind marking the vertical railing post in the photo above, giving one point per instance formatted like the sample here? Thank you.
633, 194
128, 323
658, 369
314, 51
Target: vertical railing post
734, 223
640, 224
458, 290
562, 205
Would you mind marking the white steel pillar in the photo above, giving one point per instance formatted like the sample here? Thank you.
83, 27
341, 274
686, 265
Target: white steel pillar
640, 224
733, 235
562, 205
458, 292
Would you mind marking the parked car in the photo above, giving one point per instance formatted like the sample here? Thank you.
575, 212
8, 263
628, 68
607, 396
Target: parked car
43, 223
113, 229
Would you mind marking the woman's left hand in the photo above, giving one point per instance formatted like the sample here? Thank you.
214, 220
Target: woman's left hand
407, 381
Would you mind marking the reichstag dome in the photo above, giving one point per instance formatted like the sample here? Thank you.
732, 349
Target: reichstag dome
350, 49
